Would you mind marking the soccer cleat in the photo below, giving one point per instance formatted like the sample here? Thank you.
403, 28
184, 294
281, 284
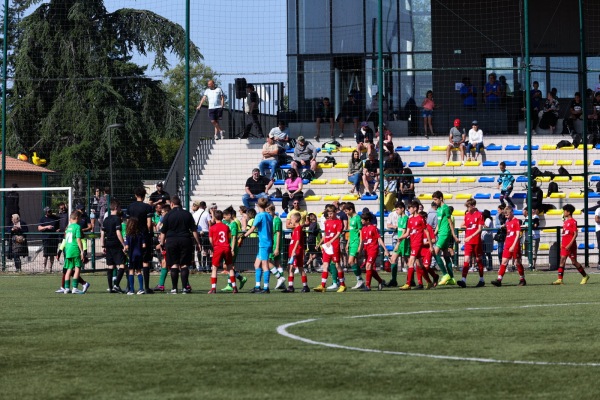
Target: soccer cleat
235, 290
320, 288
462, 284
243, 282
255, 290
342, 289
419, 287
365, 289
149, 291
444, 280
406, 286
67, 291
280, 283
305, 289
141, 291
558, 282
227, 288
392, 283
159, 288
211, 291
265, 291
61, 290
359, 284
436, 279
117, 289
77, 291
451, 281
380, 285
584, 280
522, 282
496, 282
333, 286
85, 287
480, 284
428, 285
129, 293
186, 290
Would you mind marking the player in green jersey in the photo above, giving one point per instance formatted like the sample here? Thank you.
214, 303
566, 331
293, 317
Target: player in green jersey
73, 254
354, 227
444, 232
235, 227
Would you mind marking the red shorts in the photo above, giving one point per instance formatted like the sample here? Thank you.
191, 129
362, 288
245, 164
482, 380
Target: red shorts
516, 254
371, 256
571, 252
335, 257
415, 251
425, 256
298, 260
475, 250
221, 254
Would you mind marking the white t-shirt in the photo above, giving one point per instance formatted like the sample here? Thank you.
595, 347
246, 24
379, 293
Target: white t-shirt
597, 214
475, 136
214, 97
203, 222
280, 137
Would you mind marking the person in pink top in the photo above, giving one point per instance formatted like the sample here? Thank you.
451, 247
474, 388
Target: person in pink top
293, 189
428, 106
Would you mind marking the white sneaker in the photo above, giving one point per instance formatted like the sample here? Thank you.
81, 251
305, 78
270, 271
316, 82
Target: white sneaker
141, 292
67, 291
61, 290
404, 270
130, 293
280, 283
333, 286
359, 284
173, 291
77, 291
216, 137
473, 269
341, 135
222, 135
86, 287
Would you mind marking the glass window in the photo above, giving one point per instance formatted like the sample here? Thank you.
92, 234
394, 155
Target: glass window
389, 28
291, 27
539, 63
317, 84
292, 88
567, 84
593, 78
502, 67
313, 26
348, 29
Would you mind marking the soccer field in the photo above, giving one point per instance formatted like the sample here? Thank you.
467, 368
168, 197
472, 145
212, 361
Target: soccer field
538, 341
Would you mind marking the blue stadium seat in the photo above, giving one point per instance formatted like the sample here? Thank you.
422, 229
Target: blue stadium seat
279, 182
523, 163
581, 246
285, 166
493, 147
305, 181
510, 163
275, 199
518, 212
416, 164
487, 179
595, 178
496, 196
512, 147
385, 214
593, 195
534, 147
589, 229
522, 179
482, 196
493, 212
596, 162
519, 195
291, 151
403, 148
421, 148
495, 247
283, 215
490, 163
417, 180
366, 197
389, 247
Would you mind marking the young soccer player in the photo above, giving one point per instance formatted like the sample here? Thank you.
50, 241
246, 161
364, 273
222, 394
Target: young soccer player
370, 239
275, 255
135, 245
568, 246
402, 249
296, 253
330, 244
444, 232
113, 245
473, 224
219, 236
427, 256
235, 228
419, 237
164, 270
512, 248
73, 254
263, 223
354, 228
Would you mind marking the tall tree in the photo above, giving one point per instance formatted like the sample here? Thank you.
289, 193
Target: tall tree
75, 77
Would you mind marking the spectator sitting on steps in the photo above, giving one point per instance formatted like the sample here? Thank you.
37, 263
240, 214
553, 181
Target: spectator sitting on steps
475, 141
457, 141
257, 186
270, 152
304, 155
371, 174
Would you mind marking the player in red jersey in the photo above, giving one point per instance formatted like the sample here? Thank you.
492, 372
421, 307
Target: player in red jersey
512, 248
371, 240
568, 246
473, 224
296, 254
330, 244
417, 231
426, 257
220, 238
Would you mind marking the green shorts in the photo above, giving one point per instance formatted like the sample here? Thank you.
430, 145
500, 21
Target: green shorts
353, 248
443, 241
71, 263
404, 248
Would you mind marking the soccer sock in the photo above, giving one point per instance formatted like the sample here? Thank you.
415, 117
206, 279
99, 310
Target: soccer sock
410, 275
501, 272
66, 284
369, 274
480, 267
561, 271
356, 270
146, 274
333, 272
394, 271
580, 269
280, 270
433, 274
258, 277
239, 276
275, 272
324, 276
419, 276
376, 275
424, 274
174, 277
120, 273
232, 281
74, 283
521, 271
109, 276
213, 282
130, 280
304, 279
448, 261
341, 279
291, 279
62, 282
440, 264
266, 277
185, 277
140, 282
163, 276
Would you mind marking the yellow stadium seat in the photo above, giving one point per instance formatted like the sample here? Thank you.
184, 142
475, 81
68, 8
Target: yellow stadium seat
589, 146
472, 163
544, 246
435, 163
458, 213
448, 179
561, 179
558, 195
546, 162
430, 179
577, 212
557, 211
543, 179
328, 165
577, 179
548, 147
350, 197
425, 196
313, 197
318, 181
580, 162
453, 164
576, 195
550, 230
347, 149
468, 179
332, 197
564, 162
337, 181
341, 165
439, 148
447, 196
462, 196
319, 214
567, 148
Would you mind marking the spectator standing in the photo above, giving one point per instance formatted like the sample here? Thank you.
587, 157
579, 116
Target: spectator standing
505, 184
350, 111
305, 155
491, 92
325, 113
216, 102
270, 153
355, 168
293, 189
280, 135
159, 196
50, 225
503, 89
63, 217
537, 196
550, 113
374, 114
18, 240
252, 110
103, 206
536, 105
457, 141
428, 105
468, 94
257, 186
475, 140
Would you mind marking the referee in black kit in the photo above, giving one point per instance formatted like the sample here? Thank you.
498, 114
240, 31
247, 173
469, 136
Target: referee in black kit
177, 236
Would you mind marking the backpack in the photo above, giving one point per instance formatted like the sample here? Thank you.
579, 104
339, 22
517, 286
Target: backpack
576, 140
563, 143
333, 142
328, 160
552, 188
535, 172
598, 186
562, 171
278, 194
280, 174
308, 174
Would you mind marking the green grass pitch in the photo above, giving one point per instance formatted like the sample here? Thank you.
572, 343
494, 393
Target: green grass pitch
162, 346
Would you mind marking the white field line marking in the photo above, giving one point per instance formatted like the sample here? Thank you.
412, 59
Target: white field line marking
282, 330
